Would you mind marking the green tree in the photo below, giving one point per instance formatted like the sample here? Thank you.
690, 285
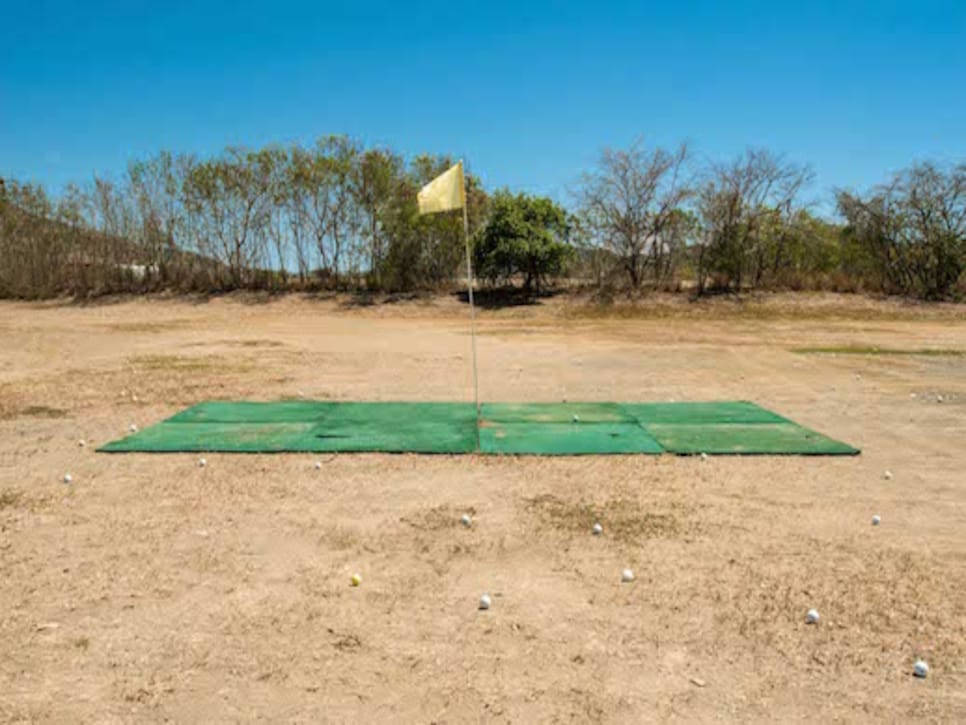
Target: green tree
426, 251
523, 235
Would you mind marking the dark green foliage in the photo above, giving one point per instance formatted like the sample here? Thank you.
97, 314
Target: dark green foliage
526, 236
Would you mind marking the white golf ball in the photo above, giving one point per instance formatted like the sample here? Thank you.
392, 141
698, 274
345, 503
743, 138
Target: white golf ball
627, 576
598, 529
318, 465
576, 418
920, 669
82, 443
68, 478
466, 520
812, 616
485, 601
704, 456
876, 520
887, 475
133, 428
202, 463
939, 398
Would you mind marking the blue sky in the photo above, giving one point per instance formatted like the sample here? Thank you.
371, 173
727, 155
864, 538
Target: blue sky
528, 92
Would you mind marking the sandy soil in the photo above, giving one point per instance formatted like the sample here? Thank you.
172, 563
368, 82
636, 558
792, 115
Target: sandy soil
153, 589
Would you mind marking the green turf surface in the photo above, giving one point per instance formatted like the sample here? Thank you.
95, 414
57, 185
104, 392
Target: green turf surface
744, 438
566, 439
505, 428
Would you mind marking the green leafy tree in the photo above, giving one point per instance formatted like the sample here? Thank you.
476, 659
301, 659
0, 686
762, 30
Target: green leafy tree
425, 251
524, 235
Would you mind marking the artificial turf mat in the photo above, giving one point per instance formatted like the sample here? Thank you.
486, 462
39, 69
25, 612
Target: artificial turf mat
549, 429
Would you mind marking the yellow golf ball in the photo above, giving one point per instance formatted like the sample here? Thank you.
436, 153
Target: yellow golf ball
356, 580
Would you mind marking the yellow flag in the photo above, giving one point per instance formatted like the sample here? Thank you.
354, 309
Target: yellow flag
443, 193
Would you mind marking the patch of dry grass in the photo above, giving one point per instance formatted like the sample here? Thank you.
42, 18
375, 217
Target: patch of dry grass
9, 498
764, 307
39, 411
259, 343
623, 520
181, 363
884, 606
145, 327
436, 518
875, 350
172, 379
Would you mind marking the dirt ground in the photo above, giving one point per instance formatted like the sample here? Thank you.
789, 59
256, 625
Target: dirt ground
154, 589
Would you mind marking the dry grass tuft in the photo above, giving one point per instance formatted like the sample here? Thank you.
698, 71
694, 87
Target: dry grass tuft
874, 350
135, 328
30, 411
181, 363
623, 520
436, 518
9, 498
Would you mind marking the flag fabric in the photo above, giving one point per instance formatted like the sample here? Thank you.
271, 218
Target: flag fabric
443, 193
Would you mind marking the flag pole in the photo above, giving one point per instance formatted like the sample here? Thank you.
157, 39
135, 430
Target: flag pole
469, 288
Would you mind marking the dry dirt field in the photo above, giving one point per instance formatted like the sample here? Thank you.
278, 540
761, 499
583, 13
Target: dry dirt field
153, 589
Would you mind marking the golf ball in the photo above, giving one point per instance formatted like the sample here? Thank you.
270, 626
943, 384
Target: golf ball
202, 463
812, 616
356, 580
485, 601
920, 669
576, 418
887, 475
466, 520
68, 478
133, 428
318, 465
627, 576
704, 456
876, 520
82, 443
598, 529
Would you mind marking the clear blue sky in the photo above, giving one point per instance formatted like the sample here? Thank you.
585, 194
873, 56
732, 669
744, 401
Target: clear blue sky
527, 91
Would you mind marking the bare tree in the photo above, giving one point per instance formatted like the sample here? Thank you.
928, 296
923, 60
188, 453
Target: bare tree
747, 208
628, 203
914, 227
156, 185
376, 174
229, 197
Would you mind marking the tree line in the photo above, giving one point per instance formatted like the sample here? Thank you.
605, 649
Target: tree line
337, 215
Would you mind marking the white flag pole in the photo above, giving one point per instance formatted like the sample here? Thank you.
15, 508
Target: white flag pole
469, 287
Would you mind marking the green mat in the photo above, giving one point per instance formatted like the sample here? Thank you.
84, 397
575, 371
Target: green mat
548, 429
